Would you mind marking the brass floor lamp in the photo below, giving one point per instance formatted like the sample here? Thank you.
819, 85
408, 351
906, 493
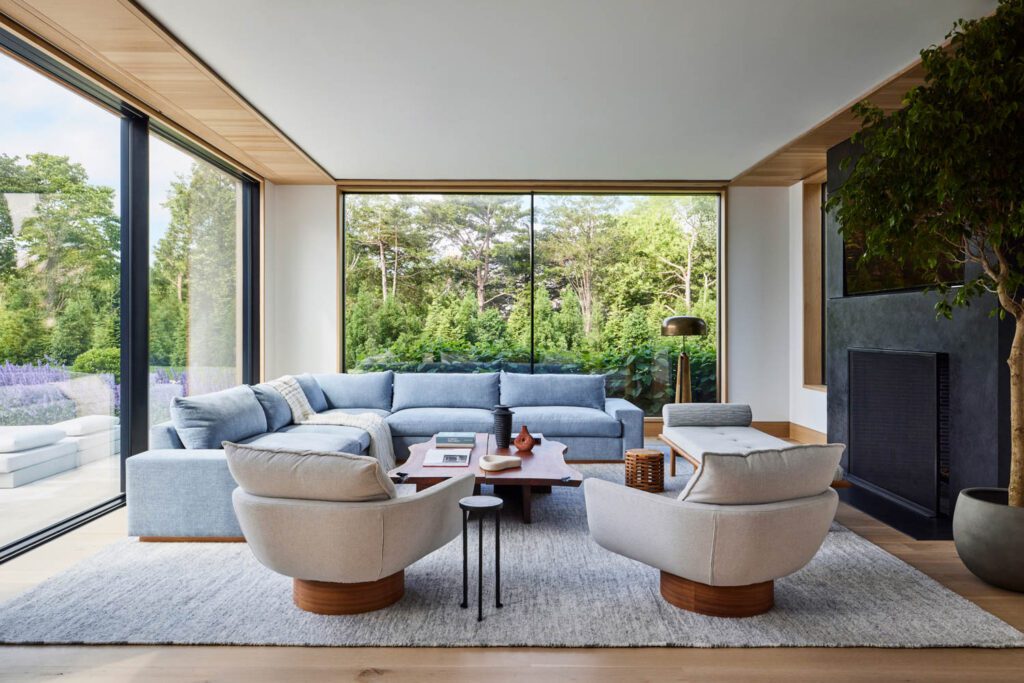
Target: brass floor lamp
683, 326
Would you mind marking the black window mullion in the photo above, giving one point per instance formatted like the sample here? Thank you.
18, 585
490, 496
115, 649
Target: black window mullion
533, 279
134, 285
250, 282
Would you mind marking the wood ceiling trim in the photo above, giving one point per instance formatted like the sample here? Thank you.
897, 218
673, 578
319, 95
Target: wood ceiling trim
119, 44
805, 155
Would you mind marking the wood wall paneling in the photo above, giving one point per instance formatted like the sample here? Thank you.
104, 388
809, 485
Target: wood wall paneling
813, 291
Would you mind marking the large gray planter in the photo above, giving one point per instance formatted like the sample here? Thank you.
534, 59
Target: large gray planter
989, 536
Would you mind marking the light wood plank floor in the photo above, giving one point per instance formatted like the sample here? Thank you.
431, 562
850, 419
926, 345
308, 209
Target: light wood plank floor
112, 664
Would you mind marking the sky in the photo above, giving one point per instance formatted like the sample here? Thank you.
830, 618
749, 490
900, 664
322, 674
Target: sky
38, 115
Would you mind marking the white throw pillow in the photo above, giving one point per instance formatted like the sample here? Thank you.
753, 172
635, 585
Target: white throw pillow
307, 475
13, 439
88, 424
765, 476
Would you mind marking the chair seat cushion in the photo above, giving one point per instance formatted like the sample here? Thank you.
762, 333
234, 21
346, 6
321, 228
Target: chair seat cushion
307, 474
429, 421
339, 440
763, 476
697, 441
555, 421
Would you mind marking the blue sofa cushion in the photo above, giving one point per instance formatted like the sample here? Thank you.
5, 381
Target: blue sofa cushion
273, 403
314, 394
307, 441
445, 390
360, 436
208, 420
428, 421
364, 390
584, 391
555, 421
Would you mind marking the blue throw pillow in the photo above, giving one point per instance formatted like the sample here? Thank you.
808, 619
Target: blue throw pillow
445, 390
357, 390
314, 394
583, 391
279, 414
208, 420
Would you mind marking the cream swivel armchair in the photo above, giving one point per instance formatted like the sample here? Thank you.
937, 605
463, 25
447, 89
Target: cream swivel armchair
334, 523
741, 522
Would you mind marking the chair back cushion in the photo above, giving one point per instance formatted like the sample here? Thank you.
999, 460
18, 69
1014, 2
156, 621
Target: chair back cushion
314, 394
445, 390
278, 412
706, 415
362, 390
582, 391
307, 475
766, 476
207, 420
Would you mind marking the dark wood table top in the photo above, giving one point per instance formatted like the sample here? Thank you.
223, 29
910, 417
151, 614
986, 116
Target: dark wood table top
545, 466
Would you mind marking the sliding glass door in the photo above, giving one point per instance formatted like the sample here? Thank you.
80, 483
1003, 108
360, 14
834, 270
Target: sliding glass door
537, 283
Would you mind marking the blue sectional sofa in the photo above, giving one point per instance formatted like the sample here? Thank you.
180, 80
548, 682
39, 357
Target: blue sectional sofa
181, 487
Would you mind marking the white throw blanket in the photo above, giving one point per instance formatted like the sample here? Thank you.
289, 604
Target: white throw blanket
381, 447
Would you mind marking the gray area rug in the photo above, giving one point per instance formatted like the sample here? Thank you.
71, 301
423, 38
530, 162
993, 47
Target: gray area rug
559, 589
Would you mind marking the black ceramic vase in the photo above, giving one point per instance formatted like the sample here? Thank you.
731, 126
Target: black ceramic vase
502, 426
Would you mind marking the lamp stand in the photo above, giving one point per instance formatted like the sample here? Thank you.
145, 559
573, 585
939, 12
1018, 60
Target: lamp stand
684, 391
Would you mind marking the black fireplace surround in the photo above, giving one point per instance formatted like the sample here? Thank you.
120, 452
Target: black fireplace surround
975, 344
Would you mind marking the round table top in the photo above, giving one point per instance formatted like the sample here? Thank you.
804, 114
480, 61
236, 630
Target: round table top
481, 503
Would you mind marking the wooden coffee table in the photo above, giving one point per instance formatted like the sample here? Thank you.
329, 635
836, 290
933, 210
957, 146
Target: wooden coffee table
543, 468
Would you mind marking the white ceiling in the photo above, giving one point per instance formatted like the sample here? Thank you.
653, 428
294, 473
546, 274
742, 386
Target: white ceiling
555, 89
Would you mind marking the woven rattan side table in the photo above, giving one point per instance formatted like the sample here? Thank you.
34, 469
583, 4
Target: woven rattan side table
645, 469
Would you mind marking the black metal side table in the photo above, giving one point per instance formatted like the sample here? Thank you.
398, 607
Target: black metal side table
481, 505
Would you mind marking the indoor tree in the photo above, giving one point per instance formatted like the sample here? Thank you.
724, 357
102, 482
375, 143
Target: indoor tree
941, 181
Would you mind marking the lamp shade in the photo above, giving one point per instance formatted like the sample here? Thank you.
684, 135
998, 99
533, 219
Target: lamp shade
683, 326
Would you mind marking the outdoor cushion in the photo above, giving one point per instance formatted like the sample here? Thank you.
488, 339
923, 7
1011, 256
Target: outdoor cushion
445, 390
357, 390
314, 394
11, 462
343, 442
430, 421
88, 424
697, 441
585, 391
353, 434
207, 420
22, 438
560, 420
274, 405
706, 415
764, 476
307, 474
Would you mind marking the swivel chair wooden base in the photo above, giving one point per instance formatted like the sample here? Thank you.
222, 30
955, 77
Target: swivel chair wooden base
718, 601
324, 597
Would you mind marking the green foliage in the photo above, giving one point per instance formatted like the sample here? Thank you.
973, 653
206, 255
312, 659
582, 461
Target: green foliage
100, 361
72, 335
23, 334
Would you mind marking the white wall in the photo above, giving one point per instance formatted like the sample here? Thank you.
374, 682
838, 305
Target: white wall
807, 407
759, 300
300, 282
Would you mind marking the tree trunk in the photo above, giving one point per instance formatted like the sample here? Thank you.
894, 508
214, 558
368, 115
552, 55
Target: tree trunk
1016, 362
688, 275
394, 271
383, 271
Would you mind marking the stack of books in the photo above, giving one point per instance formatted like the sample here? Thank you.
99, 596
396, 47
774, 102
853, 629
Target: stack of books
451, 449
454, 439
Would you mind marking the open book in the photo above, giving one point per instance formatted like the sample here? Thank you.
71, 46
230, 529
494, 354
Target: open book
447, 457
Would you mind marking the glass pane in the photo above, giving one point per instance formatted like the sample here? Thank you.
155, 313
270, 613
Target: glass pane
59, 302
608, 270
437, 283
195, 315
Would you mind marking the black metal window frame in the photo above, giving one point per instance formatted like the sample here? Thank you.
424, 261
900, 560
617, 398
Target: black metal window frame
533, 194
136, 128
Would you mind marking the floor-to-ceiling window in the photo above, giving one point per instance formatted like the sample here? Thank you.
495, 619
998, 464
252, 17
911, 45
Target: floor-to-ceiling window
59, 301
195, 303
443, 283
128, 275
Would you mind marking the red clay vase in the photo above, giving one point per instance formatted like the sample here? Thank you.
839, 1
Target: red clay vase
523, 441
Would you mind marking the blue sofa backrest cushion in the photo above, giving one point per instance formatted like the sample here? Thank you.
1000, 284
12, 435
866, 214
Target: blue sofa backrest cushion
445, 390
583, 391
273, 403
363, 390
207, 420
314, 394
